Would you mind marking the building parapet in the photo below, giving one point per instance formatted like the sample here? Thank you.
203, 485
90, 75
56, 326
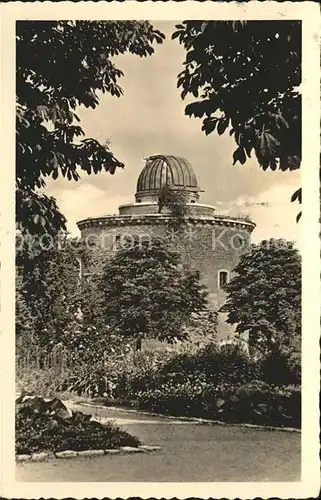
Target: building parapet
156, 219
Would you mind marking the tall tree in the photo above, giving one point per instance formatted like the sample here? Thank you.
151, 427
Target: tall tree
148, 294
61, 65
48, 291
264, 297
245, 76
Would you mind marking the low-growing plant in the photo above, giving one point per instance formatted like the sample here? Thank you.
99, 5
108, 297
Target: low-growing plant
212, 381
48, 426
256, 402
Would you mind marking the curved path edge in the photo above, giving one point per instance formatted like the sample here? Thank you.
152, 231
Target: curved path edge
197, 420
43, 456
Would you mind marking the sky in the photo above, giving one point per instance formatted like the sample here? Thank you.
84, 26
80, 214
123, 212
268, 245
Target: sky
149, 119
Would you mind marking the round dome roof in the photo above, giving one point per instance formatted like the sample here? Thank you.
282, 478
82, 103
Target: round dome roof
161, 170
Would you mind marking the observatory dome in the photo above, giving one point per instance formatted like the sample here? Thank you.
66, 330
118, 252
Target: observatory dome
163, 170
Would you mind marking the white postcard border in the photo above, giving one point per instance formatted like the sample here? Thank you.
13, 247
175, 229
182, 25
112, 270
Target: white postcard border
309, 13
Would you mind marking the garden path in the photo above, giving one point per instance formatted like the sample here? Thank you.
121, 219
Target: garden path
190, 452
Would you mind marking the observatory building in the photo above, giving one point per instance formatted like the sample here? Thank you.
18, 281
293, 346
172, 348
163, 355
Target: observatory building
207, 241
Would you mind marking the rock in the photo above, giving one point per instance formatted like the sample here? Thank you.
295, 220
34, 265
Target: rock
146, 447
39, 457
53, 407
56, 407
112, 452
23, 458
131, 449
66, 454
79, 417
38, 405
26, 397
95, 453
19, 397
90, 453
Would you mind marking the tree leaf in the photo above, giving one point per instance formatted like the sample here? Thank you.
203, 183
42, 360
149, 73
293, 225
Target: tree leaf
209, 125
233, 62
239, 155
176, 34
222, 125
297, 195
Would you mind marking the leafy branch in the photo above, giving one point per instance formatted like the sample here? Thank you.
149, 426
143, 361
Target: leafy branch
60, 66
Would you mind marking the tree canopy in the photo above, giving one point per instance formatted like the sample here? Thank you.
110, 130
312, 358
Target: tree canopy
61, 65
245, 76
147, 293
264, 296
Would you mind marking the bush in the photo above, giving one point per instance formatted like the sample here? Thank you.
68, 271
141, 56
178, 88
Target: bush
214, 382
281, 369
120, 377
44, 383
211, 363
255, 402
47, 426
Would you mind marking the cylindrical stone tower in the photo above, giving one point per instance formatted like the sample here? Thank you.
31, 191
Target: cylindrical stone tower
208, 242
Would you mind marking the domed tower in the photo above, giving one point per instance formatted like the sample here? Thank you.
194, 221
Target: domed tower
163, 170
159, 171
208, 242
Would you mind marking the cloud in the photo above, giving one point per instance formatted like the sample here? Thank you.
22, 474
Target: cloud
86, 201
272, 212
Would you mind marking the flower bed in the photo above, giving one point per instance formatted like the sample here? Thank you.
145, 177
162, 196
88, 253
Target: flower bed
49, 426
212, 382
255, 403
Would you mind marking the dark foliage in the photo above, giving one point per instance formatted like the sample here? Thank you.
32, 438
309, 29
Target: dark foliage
231, 67
254, 403
48, 289
264, 297
147, 294
60, 66
226, 364
47, 426
281, 369
220, 383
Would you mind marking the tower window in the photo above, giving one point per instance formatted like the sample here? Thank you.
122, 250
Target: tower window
223, 278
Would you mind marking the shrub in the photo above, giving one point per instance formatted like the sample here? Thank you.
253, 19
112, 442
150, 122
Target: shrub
122, 375
215, 382
255, 402
281, 369
213, 363
47, 426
